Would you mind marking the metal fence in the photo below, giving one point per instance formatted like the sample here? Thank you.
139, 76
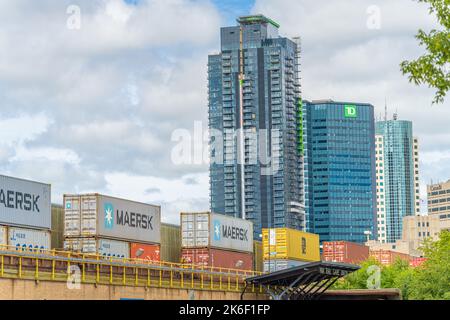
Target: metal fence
35, 264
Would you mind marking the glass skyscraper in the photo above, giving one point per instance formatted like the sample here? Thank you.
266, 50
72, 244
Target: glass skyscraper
340, 170
254, 86
397, 171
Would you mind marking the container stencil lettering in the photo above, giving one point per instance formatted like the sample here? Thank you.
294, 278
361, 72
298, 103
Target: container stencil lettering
135, 220
234, 233
18, 200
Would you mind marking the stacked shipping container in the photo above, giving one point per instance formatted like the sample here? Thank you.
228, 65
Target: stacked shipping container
388, 257
344, 252
25, 215
57, 227
112, 227
286, 248
219, 241
417, 261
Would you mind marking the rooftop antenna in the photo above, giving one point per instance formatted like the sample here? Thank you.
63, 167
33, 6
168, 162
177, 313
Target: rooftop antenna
385, 109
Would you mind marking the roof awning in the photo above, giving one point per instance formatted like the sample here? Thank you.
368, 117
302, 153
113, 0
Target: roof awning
305, 282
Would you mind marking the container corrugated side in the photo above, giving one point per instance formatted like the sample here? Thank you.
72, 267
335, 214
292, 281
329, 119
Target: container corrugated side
72, 216
284, 243
204, 229
388, 257
103, 247
108, 217
345, 252
25, 203
3, 237
28, 239
195, 230
217, 258
113, 249
281, 264
170, 243
57, 227
149, 252
258, 256
231, 233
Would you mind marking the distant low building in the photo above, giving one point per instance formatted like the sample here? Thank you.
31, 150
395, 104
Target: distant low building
418, 228
439, 199
415, 230
400, 246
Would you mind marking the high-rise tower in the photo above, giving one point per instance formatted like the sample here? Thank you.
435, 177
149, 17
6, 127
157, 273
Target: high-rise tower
397, 170
340, 170
254, 88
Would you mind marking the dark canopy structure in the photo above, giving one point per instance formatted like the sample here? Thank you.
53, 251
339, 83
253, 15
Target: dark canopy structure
305, 282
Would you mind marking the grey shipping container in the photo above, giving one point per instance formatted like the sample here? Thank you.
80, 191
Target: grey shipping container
95, 215
25, 203
210, 230
281, 264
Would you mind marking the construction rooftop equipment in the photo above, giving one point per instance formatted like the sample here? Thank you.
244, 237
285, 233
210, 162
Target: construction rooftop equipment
305, 282
256, 19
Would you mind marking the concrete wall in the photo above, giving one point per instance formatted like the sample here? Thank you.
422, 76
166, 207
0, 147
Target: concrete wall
14, 289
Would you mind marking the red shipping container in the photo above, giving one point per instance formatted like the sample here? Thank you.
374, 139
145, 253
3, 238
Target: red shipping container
388, 257
344, 252
217, 258
149, 252
416, 262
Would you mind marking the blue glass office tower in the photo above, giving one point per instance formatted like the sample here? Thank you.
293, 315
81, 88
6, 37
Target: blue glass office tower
254, 85
397, 170
340, 170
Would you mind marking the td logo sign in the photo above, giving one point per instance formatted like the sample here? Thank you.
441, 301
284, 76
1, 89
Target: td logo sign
350, 111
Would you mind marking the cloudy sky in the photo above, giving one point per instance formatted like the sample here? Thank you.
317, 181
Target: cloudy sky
94, 108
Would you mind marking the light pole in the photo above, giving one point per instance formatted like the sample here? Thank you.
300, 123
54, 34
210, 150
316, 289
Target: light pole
368, 233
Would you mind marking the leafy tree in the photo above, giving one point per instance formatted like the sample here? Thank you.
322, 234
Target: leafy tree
432, 280
433, 68
358, 279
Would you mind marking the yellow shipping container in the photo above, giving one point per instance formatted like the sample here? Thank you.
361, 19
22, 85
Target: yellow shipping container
290, 244
257, 256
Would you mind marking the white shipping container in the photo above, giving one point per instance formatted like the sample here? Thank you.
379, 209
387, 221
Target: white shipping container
113, 249
72, 216
103, 247
82, 245
29, 240
3, 238
281, 264
204, 230
25, 203
95, 215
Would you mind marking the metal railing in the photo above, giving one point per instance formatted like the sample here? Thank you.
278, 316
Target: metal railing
71, 267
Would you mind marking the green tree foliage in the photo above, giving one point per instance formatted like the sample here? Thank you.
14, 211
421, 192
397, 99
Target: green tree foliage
433, 68
430, 281
358, 279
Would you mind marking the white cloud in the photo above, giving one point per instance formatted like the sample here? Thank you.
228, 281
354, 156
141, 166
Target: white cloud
175, 195
345, 60
118, 87
115, 90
